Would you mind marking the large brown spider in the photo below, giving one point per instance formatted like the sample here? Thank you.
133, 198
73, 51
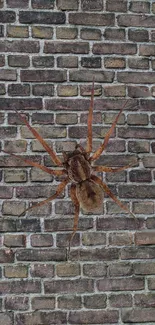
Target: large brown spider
86, 188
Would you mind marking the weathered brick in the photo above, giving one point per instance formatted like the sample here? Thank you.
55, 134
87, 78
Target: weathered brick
70, 118
13, 208
14, 240
122, 223
43, 61
145, 238
147, 105
117, 160
117, 48
146, 50
67, 61
90, 34
66, 33
120, 239
92, 62
66, 224
145, 207
38, 317
18, 61
153, 147
89, 75
8, 74
15, 176
6, 318
42, 270
67, 4
115, 91
69, 286
120, 6
138, 91
2, 89
132, 20
113, 63
42, 32
120, 284
17, 3
6, 256
97, 301
67, 91
43, 90
7, 16
40, 176
65, 146
43, 4
95, 270
93, 19
85, 90
139, 7
45, 131
67, 47
17, 31
98, 254
145, 300
2, 60
143, 315
120, 300
40, 17
138, 35
43, 303
138, 133
24, 46
92, 239
7, 225
41, 240
16, 303
93, 317
43, 75
151, 284
150, 223
144, 252
114, 34
6, 161
144, 268
140, 176
153, 91
69, 302
41, 255
139, 146
19, 90
68, 270
20, 286
16, 271
92, 5
1, 31
138, 63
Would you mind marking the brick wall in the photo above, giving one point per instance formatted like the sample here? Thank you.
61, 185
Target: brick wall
50, 51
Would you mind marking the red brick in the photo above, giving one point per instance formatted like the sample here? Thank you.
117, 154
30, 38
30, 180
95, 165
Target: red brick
20, 103
6, 256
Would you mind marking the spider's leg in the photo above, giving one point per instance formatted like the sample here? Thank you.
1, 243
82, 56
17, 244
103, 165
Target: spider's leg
35, 164
52, 154
109, 169
90, 119
76, 215
98, 152
60, 188
107, 190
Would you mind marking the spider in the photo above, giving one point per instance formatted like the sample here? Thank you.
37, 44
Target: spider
87, 190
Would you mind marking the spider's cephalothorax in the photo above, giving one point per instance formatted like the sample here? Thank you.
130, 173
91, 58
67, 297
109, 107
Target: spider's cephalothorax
86, 188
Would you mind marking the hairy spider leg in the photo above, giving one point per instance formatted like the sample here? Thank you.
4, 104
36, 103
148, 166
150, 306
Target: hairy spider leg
90, 120
110, 169
98, 152
76, 215
107, 190
52, 154
60, 188
35, 164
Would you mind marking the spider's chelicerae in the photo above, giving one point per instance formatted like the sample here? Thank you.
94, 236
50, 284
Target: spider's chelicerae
86, 188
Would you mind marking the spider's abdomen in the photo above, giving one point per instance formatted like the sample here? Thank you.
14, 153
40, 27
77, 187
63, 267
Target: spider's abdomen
79, 168
90, 196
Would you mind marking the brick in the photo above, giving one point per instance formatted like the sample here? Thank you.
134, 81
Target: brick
42, 270
8, 74
153, 91
40, 176
145, 300
143, 252
6, 256
1, 4
89, 75
66, 224
150, 222
67, 47
146, 105
146, 207
92, 239
19, 90
151, 284
120, 300
133, 191
7, 225
139, 146
132, 20
70, 118
66, 33
148, 162
67, 61
69, 286
67, 91
147, 50
139, 7
65, 146
40, 17
95, 270
138, 133
117, 160
33, 193
18, 61
2, 60
6, 318
138, 35
16, 271
115, 91
93, 317
117, 48
46, 132
138, 63
120, 239
143, 315
91, 5
140, 176
93, 19
69, 302
42, 32
85, 90
90, 34
43, 61
43, 4
98, 254
17, 4
43, 75
138, 91
1, 118
120, 6
122, 223
145, 238
113, 63
43, 90
116, 177
144, 268
21, 286
2, 89
92, 62
41, 240
67, 4
81, 132
13, 208
114, 34
153, 146
96, 301
68, 270
120, 269
7, 16
120, 284
43, 303
17, 31
41, 255
15, 176
1, 31
14, 240
28, 225
38, 317
24, 46
16, 303
6, 161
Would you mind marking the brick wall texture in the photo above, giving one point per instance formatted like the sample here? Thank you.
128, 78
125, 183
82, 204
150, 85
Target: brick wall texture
50, 52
